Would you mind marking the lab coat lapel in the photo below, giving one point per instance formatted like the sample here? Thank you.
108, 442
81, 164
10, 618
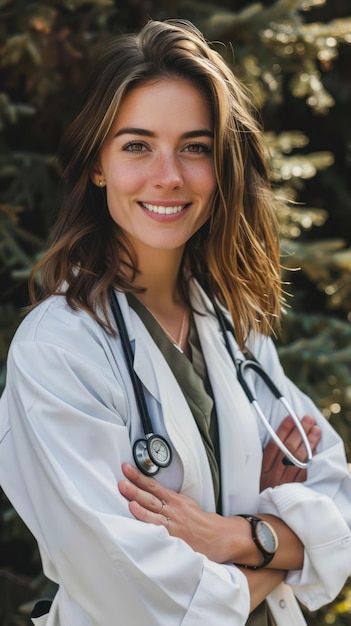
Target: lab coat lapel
157, 377
240, 447
185, 436
139, 338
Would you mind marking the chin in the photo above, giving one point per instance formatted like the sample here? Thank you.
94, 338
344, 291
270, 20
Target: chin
163, 245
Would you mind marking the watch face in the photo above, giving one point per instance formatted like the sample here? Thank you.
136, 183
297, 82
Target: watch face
267, 537
159, 450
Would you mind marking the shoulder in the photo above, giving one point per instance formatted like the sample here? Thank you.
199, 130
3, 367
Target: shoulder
54, 323
263, 348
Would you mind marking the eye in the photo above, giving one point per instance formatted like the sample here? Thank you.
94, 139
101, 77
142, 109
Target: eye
198, 148
134, 146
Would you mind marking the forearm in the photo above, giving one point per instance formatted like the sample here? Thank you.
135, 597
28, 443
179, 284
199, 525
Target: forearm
290, 553
238, 546
261, 583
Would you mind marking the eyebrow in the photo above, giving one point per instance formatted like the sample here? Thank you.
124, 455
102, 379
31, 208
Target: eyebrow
201, 132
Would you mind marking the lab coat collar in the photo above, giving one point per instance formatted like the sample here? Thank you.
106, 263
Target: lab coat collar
127, 314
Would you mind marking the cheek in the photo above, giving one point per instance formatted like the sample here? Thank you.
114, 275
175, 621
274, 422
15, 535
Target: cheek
118, 190
121, 179
205, 178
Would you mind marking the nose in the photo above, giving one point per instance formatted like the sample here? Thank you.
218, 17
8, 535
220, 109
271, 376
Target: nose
167, 172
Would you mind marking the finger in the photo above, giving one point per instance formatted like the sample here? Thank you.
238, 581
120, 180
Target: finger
294, 441
294, 474
314, 437
144, 498
144, 515
297, 447
144, 482
272, 452
274, 472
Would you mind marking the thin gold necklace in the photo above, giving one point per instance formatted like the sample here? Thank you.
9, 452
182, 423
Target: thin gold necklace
177, 343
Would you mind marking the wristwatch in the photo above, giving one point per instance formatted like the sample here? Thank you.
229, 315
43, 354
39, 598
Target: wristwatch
265, 538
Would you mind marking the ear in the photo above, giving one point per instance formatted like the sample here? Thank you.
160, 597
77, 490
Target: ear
97, 177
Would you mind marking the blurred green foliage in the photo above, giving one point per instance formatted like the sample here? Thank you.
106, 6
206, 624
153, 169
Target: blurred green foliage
295, 58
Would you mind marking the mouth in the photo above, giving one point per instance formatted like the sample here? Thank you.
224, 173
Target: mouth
165, 208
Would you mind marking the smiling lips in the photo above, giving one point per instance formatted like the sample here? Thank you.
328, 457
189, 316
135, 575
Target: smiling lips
164, 209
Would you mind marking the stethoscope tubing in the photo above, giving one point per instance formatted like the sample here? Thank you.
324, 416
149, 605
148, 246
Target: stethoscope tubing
253, 364
128, 353
256, 366
294, 460
240, 367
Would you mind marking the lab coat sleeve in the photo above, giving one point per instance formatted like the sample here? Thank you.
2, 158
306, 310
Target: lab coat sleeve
318, 510
67, 439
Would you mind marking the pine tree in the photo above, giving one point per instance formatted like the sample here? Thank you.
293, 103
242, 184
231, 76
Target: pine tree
293, 55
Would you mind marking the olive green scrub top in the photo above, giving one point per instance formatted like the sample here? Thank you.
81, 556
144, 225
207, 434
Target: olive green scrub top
192, 377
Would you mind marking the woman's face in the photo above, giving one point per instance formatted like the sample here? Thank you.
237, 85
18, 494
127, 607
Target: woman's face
157, 164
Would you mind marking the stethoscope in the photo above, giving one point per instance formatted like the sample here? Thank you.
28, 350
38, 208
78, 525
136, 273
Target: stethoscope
154, 452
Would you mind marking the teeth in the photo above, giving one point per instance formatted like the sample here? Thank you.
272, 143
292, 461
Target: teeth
163, 210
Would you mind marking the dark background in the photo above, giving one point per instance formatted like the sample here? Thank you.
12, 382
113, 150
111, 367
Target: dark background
295, 58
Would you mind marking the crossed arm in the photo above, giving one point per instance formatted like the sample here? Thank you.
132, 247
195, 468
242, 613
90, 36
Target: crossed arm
228, 539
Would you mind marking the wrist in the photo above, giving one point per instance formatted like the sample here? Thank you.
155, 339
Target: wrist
265, 539
237, 543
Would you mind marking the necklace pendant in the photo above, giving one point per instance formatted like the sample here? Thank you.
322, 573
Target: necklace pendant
180, 338
178, 348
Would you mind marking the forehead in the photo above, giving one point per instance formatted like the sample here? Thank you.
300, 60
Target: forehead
173, 101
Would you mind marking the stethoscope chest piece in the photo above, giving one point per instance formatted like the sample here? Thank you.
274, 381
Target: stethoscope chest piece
151, 454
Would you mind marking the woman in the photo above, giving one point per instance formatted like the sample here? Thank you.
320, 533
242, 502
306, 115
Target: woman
169, 216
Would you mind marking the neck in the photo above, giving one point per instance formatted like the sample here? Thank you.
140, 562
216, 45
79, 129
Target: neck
159, 271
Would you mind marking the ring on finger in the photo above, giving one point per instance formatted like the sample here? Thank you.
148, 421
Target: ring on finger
163, 503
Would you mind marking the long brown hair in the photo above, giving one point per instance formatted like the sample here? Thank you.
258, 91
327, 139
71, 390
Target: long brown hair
236, 252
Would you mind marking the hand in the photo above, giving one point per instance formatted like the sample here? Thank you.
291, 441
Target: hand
152, 503
274, 472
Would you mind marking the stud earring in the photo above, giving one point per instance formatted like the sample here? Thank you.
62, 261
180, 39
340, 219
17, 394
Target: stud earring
101, 183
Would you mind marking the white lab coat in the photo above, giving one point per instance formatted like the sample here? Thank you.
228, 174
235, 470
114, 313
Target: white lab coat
68, 417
